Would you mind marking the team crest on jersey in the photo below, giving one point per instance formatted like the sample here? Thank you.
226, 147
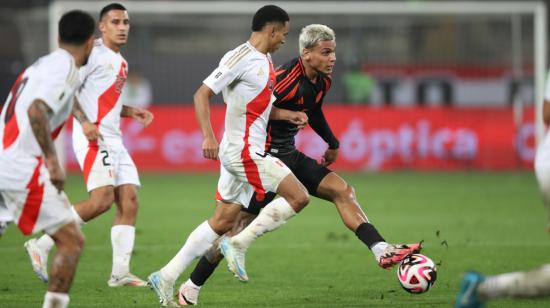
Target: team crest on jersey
260, 72
121, 78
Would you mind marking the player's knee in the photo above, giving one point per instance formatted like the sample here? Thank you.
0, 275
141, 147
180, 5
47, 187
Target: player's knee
221, 225
301, 200
130, 204
343, 193
72, 244
103, 200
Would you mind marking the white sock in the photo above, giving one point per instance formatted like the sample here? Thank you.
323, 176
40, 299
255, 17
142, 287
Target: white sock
191, 284
274, 215
45, 243
196, 245
56, 300
518, 284
378, 249
122, 240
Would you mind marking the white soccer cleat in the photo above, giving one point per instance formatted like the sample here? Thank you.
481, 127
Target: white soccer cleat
188, 295
39, 259
163, 289
235, 258
128, 280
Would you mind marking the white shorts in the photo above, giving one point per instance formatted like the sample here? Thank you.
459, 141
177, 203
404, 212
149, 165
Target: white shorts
106, 164
239, 180
542, 166
40, 207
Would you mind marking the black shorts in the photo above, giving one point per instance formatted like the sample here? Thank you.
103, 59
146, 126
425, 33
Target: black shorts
306, 169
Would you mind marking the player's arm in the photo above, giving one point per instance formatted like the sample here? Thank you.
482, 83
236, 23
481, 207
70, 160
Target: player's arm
298, 118
141, 115
39, 114
546, 112
201, 100
319, 123
88, 128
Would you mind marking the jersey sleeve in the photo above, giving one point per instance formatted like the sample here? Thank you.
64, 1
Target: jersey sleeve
55, 87
227, 71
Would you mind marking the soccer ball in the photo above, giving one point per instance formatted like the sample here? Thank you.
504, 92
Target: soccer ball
416, 273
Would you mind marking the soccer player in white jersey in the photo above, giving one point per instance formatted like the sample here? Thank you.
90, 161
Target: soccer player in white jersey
109, 171
246, 77
476, 289
31, 181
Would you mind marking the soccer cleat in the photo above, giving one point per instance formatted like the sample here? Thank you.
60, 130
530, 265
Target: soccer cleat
129, 280
188, 295
235, 259
39, 259
163, 289
395, 253
468, 296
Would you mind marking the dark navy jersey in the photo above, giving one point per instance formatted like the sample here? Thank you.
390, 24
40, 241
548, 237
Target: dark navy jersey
294, 91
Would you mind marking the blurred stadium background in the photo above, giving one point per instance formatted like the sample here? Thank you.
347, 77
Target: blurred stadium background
440, 106
414, 91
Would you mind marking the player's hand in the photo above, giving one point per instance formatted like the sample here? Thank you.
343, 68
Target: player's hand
143, 116
57, 176
91, 131
298, 118
210, 148
329, 157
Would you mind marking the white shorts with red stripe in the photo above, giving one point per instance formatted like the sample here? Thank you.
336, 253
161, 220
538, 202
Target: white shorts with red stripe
107, 164
38, 208
241, 178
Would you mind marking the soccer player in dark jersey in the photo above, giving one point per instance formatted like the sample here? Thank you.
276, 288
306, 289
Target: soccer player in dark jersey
301, 85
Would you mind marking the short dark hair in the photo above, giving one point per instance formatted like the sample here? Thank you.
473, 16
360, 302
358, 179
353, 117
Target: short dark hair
76, 27
266, 14
111, 7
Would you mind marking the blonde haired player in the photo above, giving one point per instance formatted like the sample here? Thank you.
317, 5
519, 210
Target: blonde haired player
109, 172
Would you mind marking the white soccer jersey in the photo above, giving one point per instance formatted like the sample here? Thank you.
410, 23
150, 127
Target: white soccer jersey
246, 78
103, 78
52, 79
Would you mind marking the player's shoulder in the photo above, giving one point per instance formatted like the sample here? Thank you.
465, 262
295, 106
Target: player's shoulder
284, 70
58, 65
242, 55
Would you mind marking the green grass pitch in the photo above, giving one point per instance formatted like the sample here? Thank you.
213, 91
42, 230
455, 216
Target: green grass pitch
492, 222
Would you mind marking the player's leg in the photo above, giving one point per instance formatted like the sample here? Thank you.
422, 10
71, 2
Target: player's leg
477, 289
196, 245
70, 242
534, 283
95, 163
188, 292
276, 176
42, 208
335, 189
542, 172
123, 237
101, 199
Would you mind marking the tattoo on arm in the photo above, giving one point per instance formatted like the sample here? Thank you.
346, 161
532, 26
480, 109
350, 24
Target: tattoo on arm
78, 113
39, 114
